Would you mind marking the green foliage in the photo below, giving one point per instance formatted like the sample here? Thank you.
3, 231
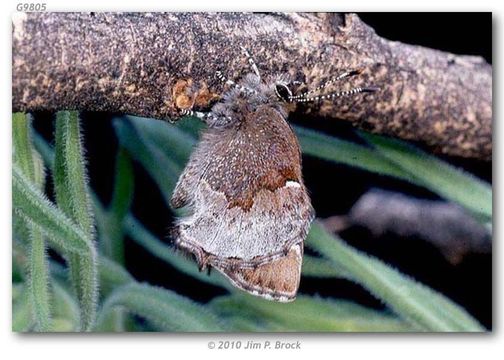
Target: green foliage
111, 220
69, 299
72, 196
133, 136
166, 310
414, 302
22, 315
23, 155
66, 309
69, 227
33, 207
307, 313
39, 283
436, 175
329, 148
30, 164
402, 161
112, 275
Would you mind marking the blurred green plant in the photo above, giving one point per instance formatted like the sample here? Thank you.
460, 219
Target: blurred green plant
50, 296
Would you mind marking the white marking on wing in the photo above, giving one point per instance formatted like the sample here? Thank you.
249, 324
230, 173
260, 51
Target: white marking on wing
293, 184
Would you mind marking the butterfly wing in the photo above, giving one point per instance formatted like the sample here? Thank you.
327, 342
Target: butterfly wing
276, 279
251, 211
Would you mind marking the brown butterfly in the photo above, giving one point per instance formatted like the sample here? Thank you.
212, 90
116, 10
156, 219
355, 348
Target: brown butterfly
250, 211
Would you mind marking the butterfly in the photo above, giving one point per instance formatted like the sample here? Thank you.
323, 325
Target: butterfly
250, 211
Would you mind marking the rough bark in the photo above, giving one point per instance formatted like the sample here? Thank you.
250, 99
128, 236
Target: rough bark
153, 65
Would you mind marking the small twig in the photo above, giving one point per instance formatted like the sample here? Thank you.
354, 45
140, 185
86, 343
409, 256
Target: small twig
445, 225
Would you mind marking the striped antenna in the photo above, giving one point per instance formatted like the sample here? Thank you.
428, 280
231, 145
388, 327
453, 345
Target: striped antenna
331, 81
334, 95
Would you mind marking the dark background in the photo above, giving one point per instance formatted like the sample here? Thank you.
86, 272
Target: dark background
334, 188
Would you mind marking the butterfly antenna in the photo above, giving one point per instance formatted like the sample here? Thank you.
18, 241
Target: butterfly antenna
331, 81
334, 95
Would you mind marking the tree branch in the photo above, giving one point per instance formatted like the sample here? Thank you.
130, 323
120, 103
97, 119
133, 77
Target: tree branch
445, 225
153, 65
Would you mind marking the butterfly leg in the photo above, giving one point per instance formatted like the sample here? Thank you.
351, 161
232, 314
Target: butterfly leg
208, 118
243, 89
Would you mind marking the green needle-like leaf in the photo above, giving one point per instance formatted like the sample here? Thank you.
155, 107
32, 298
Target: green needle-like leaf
330, 148
32, 205
22, 319
72, 195
175, 142
112, 275
70, 171
112, 321
436, 175
164, 170
322, 268
39, 282
65, 308
165, 309
123, 185
45, 150
307, 313
30, 164
111, 220
23, 152
413, 301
